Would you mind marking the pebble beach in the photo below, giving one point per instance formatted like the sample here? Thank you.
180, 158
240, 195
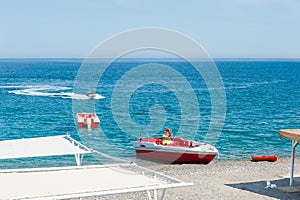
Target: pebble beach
228, 180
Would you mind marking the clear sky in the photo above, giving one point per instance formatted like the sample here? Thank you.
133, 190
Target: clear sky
225, 28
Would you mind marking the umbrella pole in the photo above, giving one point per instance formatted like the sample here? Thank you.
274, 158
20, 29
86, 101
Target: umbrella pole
294, 144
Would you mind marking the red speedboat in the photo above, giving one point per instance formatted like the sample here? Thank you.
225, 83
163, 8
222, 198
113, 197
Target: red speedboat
174, 150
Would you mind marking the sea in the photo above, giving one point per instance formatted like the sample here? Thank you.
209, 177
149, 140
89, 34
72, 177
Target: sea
237, 105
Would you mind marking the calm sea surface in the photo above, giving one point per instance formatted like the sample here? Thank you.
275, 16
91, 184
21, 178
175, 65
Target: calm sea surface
262, 97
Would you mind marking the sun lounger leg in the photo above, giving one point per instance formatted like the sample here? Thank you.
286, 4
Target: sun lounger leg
155, 196
79, 158
163, 194
149, 195
294, 144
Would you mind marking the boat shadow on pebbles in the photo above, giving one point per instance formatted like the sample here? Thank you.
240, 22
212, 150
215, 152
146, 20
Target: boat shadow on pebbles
278, 189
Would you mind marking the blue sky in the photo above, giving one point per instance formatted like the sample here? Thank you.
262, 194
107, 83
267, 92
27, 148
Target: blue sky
225, 28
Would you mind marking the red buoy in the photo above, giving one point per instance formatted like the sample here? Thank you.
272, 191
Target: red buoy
271, 158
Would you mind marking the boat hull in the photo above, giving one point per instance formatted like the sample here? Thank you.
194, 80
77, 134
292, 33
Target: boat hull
84, 125
175, 157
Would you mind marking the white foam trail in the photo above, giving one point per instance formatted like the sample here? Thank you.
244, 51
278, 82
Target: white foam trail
81, 96
50, 91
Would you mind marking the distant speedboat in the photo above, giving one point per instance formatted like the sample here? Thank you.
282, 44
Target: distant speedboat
90, 94
174, 150
87, 120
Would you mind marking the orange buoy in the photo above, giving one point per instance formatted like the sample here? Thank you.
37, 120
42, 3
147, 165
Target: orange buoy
272, 158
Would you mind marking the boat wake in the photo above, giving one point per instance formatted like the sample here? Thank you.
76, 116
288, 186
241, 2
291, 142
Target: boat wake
50, 91
84, 97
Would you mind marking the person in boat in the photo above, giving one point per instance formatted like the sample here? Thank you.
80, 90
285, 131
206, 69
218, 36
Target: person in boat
90, 94
89, 121
166, 138
167, 133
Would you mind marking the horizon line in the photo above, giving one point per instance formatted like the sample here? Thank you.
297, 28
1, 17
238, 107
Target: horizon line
155, 58
163, 57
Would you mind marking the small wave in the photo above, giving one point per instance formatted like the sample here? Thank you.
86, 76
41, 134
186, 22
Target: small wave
50, 91
249, 85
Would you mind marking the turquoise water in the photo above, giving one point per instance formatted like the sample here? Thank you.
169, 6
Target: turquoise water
262, 97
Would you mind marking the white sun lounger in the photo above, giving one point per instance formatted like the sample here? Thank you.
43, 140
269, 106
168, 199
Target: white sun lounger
74, 181
43, 146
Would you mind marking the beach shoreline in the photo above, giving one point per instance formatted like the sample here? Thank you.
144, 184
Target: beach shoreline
227, 180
